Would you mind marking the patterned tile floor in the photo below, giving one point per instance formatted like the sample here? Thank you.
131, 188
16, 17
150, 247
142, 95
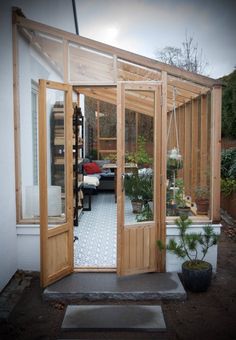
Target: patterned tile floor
96, 244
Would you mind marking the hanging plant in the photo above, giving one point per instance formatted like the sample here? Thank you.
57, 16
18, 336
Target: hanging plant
174, 159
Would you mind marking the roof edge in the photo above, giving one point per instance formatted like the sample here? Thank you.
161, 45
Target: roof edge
20, 20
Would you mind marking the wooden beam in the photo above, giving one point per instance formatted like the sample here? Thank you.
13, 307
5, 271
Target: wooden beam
203, 142
195, 150
163, 160
16, 108
187, 148
216, 95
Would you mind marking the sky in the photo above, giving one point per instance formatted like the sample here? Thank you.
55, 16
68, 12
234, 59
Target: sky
144, 26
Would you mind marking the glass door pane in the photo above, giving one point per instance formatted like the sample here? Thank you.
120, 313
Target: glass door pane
139, 176
55, 101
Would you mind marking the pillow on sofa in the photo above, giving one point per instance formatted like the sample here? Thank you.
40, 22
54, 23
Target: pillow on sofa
91, 168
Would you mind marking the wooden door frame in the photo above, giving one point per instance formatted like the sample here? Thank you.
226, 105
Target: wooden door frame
159, 89
66, 227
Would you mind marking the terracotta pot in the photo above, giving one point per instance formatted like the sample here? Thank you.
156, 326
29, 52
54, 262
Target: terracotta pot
202, 206
137, 206
197, 280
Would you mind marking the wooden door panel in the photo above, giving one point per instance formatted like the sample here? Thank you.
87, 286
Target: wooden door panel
56, 233
137, 252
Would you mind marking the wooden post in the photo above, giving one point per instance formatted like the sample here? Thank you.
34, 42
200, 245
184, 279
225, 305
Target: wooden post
203, 142
195, 152
216, 95
16, 107
163, 160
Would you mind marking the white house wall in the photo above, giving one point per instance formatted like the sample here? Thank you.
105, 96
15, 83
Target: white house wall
32, 67
28, 244
8, 254
56, 9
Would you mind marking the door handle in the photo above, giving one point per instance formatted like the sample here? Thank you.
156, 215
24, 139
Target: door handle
122, 181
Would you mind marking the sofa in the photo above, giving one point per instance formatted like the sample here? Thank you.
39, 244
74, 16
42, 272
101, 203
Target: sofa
95, 168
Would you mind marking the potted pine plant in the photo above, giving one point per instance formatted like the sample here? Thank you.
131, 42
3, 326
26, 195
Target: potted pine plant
196, 272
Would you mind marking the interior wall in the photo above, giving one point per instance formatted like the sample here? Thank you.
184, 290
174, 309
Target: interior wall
8, 257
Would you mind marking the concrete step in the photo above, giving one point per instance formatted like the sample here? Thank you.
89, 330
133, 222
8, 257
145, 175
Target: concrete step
114, 317
109, 286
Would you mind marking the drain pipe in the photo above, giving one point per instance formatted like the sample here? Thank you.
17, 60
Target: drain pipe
75, 17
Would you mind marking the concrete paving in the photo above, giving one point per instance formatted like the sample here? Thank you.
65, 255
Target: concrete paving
108, 286
114, 317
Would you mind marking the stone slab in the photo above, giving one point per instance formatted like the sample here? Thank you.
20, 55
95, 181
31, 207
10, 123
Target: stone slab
109, 286
114, 317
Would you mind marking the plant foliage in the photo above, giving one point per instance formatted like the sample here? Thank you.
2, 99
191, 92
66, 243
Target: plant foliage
188, 246
141, 156
229, 106
228, 163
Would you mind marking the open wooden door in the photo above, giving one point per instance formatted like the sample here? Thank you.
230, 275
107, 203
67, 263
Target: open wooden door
56, 181
139, 119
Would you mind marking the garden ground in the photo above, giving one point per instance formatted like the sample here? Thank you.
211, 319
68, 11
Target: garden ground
210, 315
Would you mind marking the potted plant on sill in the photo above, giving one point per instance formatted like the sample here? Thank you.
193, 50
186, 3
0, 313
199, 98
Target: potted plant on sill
196, 272
134, 190
146, 181
140, 157
202, 200
182, 202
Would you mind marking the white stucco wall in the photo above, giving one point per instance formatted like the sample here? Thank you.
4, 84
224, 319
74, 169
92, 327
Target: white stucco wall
48, 12
8, 258
28, 247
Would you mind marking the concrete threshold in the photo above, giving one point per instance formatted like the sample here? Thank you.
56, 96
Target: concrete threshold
109, 286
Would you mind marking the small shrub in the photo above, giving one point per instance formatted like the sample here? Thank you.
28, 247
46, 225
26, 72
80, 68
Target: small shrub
228, 163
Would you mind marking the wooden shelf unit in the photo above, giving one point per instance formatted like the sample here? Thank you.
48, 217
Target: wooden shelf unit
57, 152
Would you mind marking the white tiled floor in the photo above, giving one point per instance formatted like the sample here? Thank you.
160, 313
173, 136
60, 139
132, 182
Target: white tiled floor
96, 244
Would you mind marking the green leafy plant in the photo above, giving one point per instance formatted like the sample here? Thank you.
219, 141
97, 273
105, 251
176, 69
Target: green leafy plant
133, 187
145, 215
228, 186
228, 163
188, 246
139, 187
180, 199
141, 156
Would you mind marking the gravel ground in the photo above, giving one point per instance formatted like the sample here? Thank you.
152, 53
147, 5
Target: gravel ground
205, 316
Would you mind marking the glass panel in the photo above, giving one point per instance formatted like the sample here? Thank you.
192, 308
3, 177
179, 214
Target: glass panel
188, 158
139, 157
56, 154
46, 60
40, 57
87, 65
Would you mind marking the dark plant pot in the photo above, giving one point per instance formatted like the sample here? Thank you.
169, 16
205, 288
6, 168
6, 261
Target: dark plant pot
137, 206
202, 206
184, 211
195, 279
